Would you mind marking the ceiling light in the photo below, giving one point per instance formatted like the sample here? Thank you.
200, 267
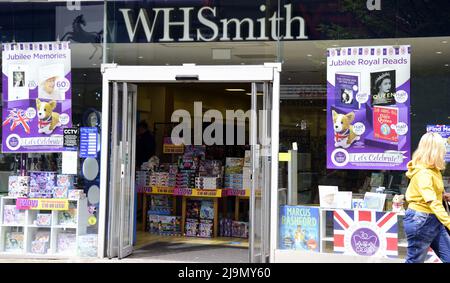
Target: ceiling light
438, 52
309, 55
444, 41
258, 93
335, 45
140, 57
324, 110
446, 65
235, 89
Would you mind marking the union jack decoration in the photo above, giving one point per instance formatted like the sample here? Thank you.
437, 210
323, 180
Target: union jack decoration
365, 233
17, 117
432, 257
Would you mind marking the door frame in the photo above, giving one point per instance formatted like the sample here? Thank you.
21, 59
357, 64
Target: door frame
268, 72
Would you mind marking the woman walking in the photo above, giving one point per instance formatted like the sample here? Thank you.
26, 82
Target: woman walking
426, 218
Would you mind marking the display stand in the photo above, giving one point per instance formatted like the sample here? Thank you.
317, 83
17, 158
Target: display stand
198, 193
239, 196
29, 228
146, 191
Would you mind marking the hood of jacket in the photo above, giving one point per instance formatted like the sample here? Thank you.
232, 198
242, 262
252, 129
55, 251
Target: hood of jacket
413, 169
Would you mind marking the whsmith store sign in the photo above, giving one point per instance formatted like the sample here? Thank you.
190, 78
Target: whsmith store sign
223, 20
204, 26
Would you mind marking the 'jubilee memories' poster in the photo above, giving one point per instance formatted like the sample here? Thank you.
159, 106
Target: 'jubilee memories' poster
368, 101
36, 96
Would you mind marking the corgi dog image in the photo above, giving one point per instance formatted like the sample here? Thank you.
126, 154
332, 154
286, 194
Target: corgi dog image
343, 129
48, 120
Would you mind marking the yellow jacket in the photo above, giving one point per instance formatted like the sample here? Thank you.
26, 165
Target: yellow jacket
425, 191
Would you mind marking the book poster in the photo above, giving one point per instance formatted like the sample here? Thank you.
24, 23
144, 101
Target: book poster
368, 102
37, 98
444, 131
299, 228
365, 233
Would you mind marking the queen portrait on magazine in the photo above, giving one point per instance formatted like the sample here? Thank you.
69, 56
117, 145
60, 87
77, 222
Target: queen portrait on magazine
383, 88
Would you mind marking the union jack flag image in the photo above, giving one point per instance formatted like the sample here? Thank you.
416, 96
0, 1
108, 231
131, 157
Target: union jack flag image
432, 257
365, 233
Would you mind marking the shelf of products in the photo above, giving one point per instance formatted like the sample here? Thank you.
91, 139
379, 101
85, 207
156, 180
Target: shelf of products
44, 215
42, 232
198, 184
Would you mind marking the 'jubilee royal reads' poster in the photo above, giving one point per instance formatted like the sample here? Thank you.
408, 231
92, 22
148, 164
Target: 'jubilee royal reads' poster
36, 96
368, 101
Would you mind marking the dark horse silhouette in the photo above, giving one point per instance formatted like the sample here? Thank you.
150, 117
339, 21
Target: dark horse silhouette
78, 34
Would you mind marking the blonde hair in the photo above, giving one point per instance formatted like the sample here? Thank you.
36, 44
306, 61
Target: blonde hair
431, 151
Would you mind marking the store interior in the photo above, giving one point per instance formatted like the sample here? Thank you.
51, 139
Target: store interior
169, 221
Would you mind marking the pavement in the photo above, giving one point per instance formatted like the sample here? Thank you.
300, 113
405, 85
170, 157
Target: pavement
158, 252
187, 252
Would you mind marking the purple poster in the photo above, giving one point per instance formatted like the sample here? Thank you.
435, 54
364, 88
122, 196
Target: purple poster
368, 102
37, 97
444, 131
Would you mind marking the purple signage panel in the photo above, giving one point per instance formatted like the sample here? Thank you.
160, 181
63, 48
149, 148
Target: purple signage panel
37, 96
444, 131
368, 102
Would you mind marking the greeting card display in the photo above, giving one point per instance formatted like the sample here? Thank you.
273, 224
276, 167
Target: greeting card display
374, 201
87, 245
344, 200
76, 194
67, 243
13, 216
43, 219
65, 181
14, 241
68, 217
327, 196
41, 242
42, 184
18, 186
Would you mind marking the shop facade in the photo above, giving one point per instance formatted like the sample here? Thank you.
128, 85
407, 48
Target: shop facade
282, 57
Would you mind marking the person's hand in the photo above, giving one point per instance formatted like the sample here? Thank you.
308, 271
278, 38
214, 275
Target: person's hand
447, 196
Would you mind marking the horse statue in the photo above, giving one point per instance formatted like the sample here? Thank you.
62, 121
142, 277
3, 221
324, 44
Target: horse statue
78, 34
